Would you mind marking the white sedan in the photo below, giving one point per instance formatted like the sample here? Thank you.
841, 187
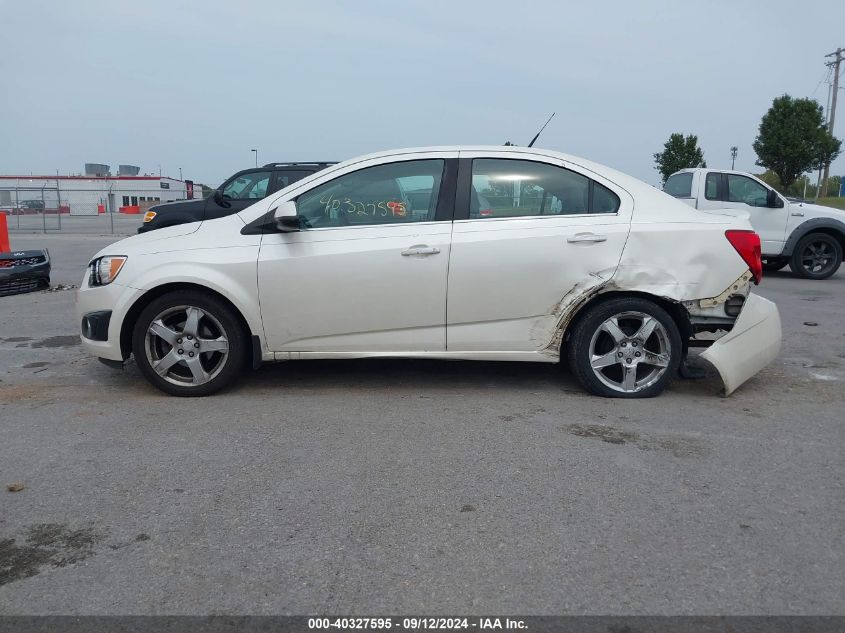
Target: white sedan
471, 253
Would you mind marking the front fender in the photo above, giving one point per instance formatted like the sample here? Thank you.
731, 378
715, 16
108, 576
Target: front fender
230, 272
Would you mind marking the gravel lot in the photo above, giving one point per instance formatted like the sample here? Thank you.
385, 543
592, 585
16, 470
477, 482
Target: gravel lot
425, 487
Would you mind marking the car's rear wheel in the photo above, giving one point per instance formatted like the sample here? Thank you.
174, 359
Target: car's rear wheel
625, 348
816, 256
774, 264
189, 343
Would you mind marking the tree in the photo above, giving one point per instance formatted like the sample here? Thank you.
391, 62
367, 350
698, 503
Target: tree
679, 152
793, 139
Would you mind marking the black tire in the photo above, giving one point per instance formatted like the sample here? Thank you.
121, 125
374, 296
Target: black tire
216, 325
579, 348
816, 256
774, 264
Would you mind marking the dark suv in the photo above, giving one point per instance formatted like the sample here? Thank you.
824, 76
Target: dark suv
236, 194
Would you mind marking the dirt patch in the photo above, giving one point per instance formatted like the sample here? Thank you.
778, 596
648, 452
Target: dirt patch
13, 393
69, 340
51, 544
604, 433
17, 339
36, 364
679, 446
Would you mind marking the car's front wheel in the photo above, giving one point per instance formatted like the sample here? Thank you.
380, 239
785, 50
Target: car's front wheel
816, 256
625, 348
189, 343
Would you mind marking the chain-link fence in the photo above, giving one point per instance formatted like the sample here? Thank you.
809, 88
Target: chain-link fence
50, 208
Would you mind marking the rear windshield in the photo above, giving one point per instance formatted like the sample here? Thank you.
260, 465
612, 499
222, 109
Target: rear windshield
679, 185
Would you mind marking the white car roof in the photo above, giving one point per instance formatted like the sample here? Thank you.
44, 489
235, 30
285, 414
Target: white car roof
633, 185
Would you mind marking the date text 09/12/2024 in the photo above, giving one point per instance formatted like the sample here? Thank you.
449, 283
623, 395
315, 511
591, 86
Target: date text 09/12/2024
415, 623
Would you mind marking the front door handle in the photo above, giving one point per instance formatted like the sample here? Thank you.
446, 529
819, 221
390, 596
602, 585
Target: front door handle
586, 237
420, 250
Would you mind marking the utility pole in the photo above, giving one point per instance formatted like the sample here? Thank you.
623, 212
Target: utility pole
837, 55
733, 156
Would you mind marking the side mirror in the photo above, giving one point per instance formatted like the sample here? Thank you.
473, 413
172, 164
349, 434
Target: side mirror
773, 200
285, 217
220, 198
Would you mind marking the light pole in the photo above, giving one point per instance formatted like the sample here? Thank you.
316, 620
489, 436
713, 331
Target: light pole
733, 156
180, 173
256, 156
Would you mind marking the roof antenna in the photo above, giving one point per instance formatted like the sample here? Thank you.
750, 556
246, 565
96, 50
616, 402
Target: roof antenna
531, 144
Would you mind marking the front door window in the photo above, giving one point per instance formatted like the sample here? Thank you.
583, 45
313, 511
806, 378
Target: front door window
743, 189
249, 186
395, 193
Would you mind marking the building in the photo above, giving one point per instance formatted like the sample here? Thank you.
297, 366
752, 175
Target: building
96, 192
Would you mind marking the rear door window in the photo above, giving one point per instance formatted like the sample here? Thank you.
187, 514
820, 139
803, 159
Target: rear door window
711, 186
679, 185
286, 177
506, 188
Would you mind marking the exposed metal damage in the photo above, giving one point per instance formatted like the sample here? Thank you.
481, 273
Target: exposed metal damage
734, 353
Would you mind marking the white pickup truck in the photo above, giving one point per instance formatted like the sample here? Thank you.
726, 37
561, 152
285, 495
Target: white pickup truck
808, 237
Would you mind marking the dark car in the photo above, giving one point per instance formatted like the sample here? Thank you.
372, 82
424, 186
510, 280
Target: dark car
236, 194
24, 271
36, 205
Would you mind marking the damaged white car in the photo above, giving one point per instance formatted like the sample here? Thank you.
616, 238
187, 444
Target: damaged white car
472, 253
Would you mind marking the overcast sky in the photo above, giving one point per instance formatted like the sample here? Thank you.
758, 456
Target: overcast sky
197, 85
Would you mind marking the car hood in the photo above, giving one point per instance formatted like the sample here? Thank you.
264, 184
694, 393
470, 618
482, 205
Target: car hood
151, 242
819, 210
180, 205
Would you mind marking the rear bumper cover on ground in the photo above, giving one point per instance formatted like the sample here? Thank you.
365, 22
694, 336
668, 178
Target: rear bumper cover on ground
753, 343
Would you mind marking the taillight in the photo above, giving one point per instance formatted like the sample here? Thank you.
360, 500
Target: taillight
747, 244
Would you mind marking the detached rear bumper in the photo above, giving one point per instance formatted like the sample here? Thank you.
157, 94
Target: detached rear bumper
753, 343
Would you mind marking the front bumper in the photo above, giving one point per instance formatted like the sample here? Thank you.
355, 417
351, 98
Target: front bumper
24, 271
112, 299
753, 343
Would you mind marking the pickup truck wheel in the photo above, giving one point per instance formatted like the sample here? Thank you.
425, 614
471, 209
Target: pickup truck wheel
625, 348
774, 264
816, 256
189, 344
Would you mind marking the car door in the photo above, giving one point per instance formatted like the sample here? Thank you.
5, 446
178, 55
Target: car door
530, 234
743, 192
367, 271
240, 191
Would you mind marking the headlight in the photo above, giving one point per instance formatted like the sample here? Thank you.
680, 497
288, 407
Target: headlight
148, 216
105, 269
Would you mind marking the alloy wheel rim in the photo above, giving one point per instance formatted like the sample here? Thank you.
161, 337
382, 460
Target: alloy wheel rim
186, 346
630, 351
818, 257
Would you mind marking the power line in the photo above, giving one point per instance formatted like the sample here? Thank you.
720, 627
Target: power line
834, 65
825, 79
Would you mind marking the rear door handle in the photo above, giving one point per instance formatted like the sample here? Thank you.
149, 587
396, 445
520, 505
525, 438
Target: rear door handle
586, 237
420, 250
